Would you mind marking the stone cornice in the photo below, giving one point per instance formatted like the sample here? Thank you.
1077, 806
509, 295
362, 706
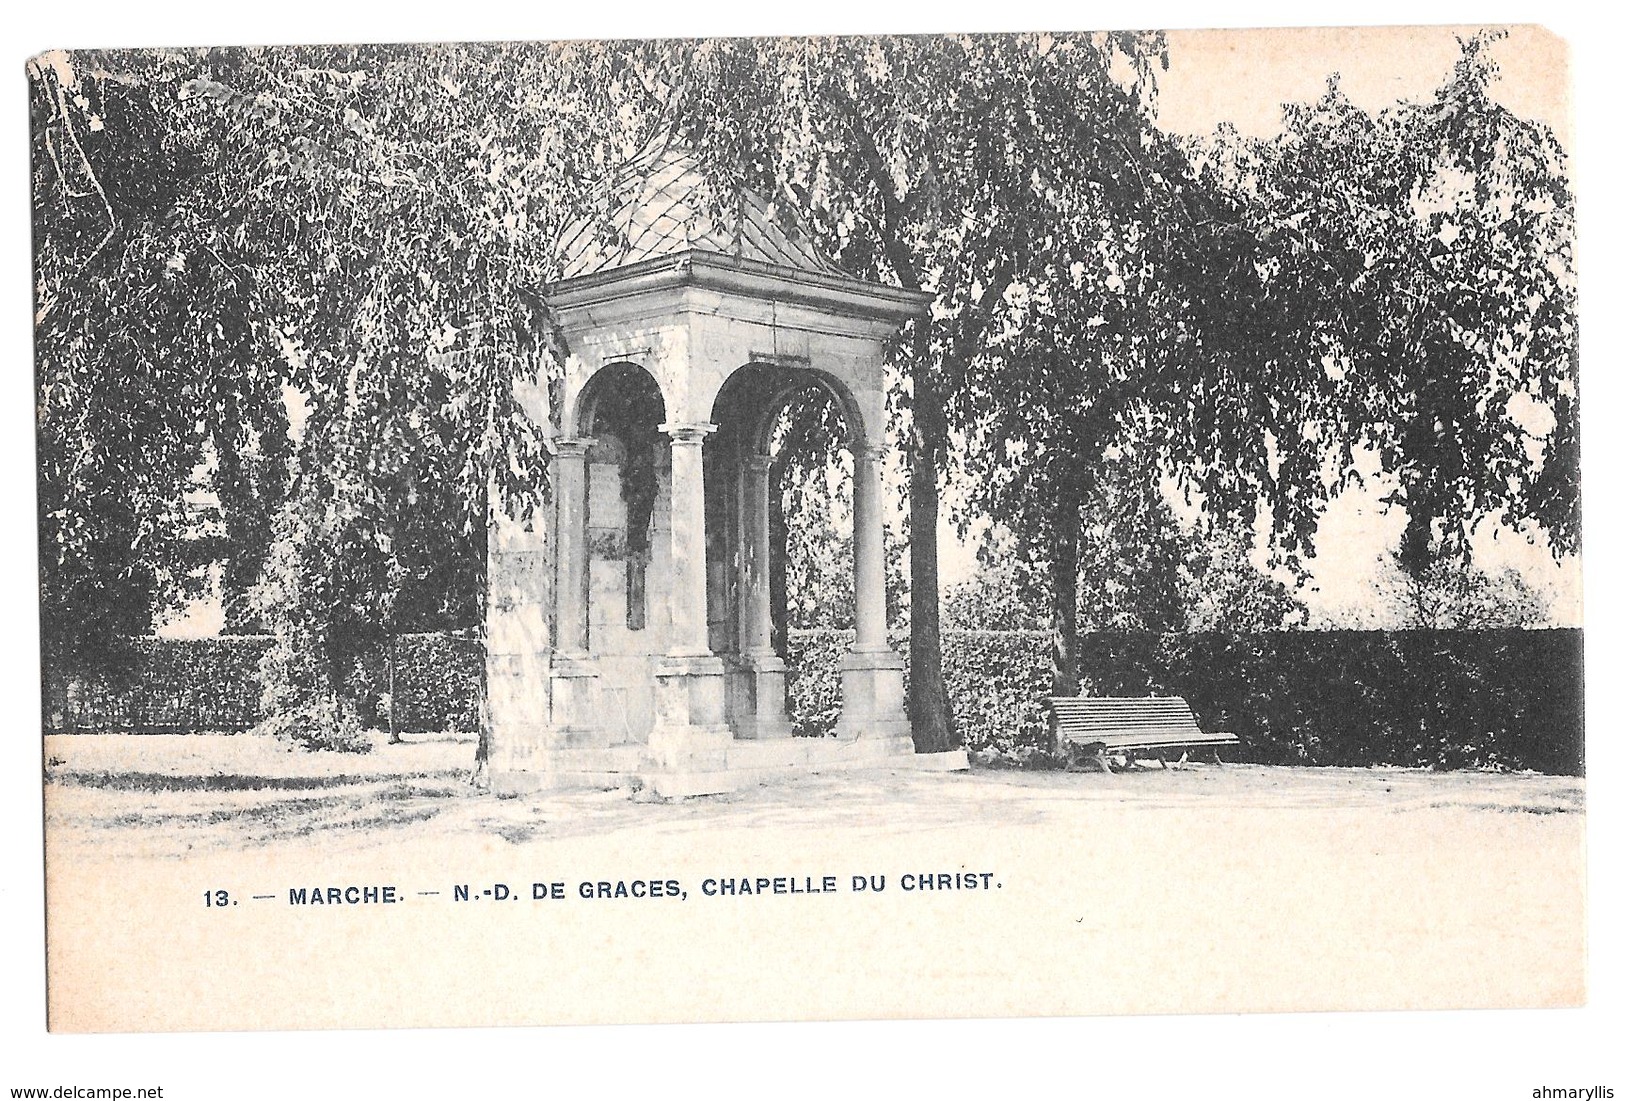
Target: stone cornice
834, 294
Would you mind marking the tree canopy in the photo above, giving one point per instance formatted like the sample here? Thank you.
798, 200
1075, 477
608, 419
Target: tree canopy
1253, 313
1432, 245
284, 298
307, 271
950, 164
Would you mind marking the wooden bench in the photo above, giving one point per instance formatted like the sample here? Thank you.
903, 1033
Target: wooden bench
1129, 727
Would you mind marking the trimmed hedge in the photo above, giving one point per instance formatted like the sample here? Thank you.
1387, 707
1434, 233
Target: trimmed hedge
159, 685
167, 685
437, 682
814, 658
1448, 699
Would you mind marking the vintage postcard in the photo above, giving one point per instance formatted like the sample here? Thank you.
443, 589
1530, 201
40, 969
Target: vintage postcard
808, 528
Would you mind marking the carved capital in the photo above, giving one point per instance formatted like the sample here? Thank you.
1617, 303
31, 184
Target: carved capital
688, 433
573, 447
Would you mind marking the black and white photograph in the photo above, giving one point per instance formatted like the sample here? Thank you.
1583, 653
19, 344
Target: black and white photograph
697, 530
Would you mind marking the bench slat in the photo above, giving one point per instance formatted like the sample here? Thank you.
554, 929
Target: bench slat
1110, 705
1119, 716
1132, 741
1137, 731
1130, 722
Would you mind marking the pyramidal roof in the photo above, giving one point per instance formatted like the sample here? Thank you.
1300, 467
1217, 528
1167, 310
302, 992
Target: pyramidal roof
667, 207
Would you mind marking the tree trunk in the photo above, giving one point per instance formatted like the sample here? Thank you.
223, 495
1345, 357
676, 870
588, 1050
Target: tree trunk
1064, 679
930, 712
243, 488
389, 666
481, 776
1429, 459
1417, 547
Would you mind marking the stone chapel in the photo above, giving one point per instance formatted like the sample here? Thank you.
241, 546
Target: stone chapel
630, 628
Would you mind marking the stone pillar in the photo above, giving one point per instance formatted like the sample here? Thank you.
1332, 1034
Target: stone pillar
868, 551
518, 639
765, 717
689, 633
518, 653
691, 733
576, 715
570, 491
872, 702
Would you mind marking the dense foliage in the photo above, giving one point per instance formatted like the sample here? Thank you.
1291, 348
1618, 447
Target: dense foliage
286, 302
1508, 699
1448, 594
1451, 699
413, 683
1167, 579
305, 276
159, 685
1432, 245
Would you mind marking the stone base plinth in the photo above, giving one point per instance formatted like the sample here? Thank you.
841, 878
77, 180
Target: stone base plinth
551, 769
696, 746
699, 767
529, 746
749, 763
689, 692
688, 748
872, 701
691, 733
756, 697
575, 697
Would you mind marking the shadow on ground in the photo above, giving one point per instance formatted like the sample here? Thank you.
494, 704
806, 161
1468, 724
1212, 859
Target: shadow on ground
224, 797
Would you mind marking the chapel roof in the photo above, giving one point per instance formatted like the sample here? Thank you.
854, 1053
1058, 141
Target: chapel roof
665, 206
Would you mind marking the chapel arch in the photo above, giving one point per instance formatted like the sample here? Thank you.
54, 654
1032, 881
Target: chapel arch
619, 415
815, 420
768, 415
730, 310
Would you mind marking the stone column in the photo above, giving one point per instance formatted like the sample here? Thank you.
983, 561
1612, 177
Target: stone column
691, 734
766, 716
756, 588
576, 715
872, 703
868, 551
689, 635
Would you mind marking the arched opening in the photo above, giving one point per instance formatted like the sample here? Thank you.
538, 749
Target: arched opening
628, 466
662, 543
779, 518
